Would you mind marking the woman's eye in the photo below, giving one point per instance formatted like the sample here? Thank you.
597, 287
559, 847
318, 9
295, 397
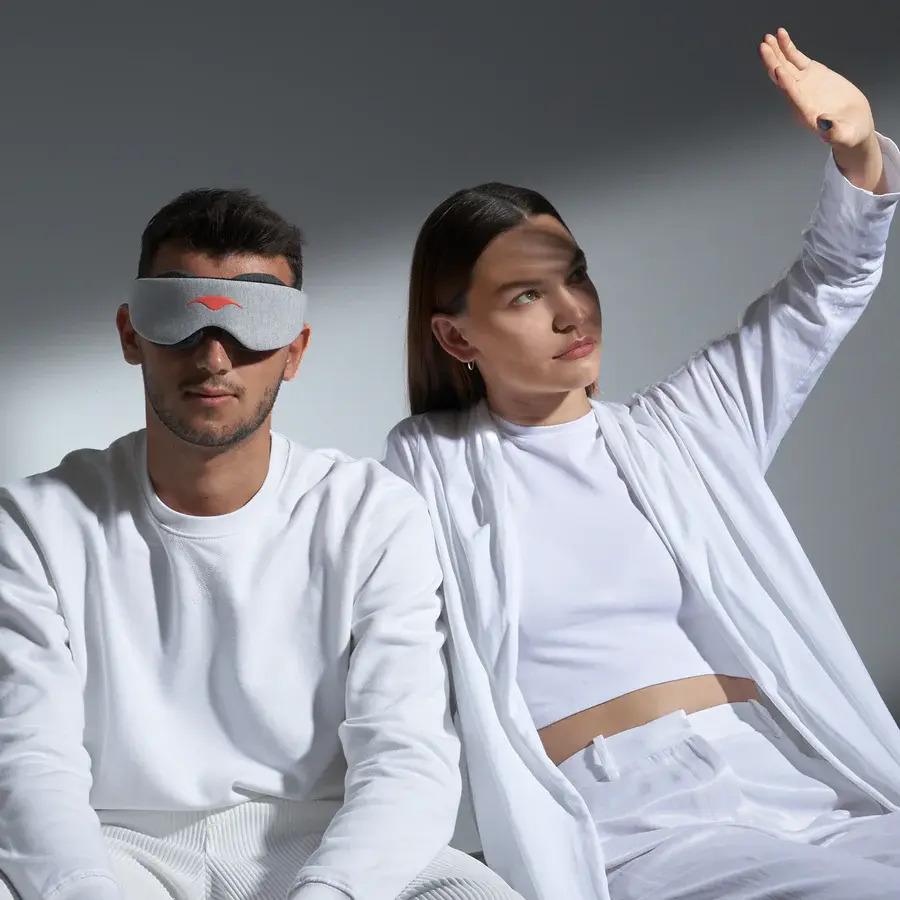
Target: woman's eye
526, 297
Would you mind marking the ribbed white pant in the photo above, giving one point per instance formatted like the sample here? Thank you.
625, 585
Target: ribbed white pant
251, 852
724, 804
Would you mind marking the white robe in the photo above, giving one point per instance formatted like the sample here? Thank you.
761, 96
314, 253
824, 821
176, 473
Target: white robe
693, 449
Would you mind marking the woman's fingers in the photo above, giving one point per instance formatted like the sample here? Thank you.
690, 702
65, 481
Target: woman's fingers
785, 76
827, 103
772, 42
770, 60
790, 51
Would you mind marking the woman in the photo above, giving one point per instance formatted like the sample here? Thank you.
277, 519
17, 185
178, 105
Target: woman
656, 697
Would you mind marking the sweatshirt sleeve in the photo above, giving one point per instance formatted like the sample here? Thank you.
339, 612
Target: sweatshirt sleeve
753, 381
402, 787
51, 846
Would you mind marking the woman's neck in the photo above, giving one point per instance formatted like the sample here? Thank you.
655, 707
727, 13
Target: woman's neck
539, 409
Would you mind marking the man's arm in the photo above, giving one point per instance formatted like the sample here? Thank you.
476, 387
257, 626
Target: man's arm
402, 787
51, 847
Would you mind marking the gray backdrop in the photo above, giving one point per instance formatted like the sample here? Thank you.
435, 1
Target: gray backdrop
652, 127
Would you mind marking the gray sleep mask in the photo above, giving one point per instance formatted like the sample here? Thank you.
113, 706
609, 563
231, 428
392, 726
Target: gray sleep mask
261, 315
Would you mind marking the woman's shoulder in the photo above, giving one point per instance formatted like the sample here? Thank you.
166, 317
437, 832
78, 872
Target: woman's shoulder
614, 406
442, 423
419, 443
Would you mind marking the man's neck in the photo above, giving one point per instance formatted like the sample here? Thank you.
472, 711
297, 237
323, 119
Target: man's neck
206, 481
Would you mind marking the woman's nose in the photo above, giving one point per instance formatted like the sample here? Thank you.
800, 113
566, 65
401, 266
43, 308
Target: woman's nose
572, 311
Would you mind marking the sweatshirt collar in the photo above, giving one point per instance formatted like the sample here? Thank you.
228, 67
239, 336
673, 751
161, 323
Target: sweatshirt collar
214, 526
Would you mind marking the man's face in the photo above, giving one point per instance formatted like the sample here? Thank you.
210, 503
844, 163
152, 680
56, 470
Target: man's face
216, 393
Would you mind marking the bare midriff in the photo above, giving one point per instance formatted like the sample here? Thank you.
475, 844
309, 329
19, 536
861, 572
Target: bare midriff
575, 732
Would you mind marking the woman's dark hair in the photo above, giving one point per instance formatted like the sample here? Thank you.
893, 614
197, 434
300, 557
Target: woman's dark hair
218, 222
448, 246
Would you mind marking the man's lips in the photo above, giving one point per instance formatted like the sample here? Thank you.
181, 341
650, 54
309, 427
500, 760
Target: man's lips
211, 397
577, 349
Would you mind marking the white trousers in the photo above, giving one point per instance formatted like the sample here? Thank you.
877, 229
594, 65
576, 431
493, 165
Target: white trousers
251, 852
725, 804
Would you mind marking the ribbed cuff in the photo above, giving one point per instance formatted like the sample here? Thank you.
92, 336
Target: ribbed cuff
318, 890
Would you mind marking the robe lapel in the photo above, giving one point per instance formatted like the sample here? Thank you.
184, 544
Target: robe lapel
785, 650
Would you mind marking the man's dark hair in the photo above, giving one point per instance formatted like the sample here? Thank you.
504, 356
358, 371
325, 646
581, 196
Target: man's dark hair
218, 222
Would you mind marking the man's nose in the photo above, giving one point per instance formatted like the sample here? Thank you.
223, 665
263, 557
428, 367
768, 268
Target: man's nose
212, 354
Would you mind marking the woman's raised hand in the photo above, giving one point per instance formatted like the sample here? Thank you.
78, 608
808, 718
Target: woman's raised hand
828, 104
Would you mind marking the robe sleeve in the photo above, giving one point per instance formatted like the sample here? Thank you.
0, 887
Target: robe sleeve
753, 381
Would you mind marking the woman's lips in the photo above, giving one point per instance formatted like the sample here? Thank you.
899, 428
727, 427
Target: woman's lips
581, 348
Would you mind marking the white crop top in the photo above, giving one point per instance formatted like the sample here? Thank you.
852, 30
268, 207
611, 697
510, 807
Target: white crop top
603, 609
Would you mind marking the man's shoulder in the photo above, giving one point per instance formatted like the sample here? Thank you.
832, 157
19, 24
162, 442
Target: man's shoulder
87, 478
354, 480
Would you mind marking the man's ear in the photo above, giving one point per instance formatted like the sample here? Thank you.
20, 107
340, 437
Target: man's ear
296, 350
448, 334
131, 348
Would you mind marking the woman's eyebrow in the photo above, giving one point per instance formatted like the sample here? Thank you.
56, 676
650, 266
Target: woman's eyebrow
510, 285
578, 260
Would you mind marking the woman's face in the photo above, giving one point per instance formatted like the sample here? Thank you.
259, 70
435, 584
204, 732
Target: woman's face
532, 322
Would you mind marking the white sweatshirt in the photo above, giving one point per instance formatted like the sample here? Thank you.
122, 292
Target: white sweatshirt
693, 450
154, 660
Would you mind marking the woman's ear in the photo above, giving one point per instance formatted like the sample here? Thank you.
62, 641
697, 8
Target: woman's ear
448, 334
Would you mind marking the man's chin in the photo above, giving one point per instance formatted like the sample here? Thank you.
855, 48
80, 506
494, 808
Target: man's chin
216, 426
205, 434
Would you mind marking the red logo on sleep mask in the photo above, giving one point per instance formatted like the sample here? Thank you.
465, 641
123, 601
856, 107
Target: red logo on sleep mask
215, 303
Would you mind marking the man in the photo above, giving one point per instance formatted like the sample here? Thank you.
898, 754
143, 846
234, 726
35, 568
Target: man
215, 644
